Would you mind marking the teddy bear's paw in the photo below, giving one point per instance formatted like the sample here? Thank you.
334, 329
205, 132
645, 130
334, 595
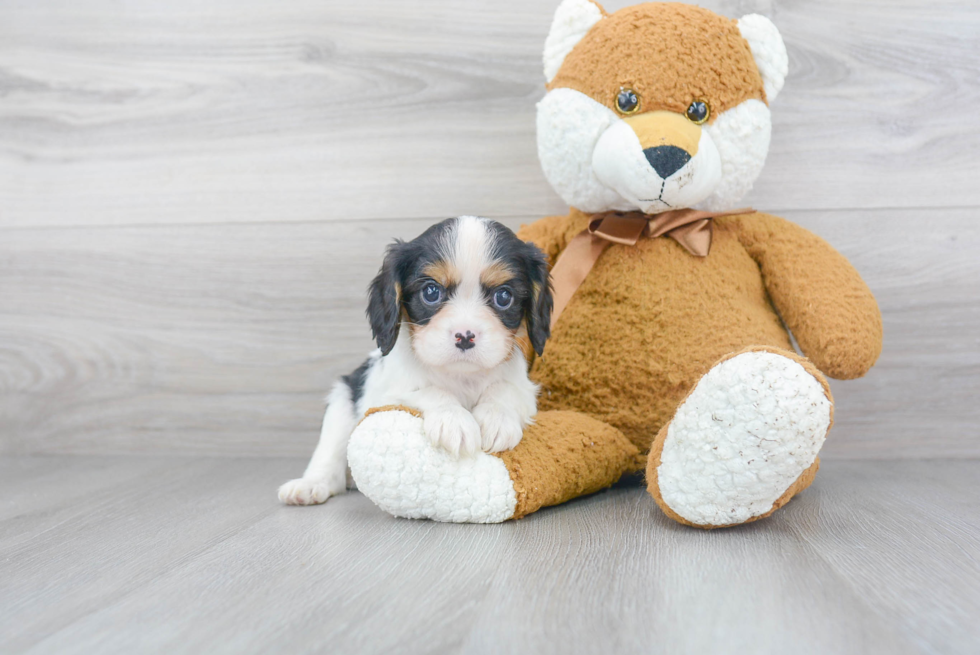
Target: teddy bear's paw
396, 465
751, 426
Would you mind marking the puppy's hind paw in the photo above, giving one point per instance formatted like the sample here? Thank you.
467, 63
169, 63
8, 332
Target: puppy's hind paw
500, 427
307, 491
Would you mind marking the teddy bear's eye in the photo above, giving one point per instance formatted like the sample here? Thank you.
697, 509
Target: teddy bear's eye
698, 112
627, 101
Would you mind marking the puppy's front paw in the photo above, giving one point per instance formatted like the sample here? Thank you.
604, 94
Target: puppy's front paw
501, 428
308, 491
452, 428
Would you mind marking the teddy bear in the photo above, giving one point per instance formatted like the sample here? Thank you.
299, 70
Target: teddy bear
670, 352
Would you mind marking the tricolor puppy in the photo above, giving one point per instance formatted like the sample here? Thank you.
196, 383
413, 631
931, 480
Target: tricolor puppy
455, 313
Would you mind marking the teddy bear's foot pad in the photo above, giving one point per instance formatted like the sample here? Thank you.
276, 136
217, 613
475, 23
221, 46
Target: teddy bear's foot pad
400, 470
738, 446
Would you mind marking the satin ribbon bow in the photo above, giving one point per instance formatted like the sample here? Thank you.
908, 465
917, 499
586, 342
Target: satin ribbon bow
691, 228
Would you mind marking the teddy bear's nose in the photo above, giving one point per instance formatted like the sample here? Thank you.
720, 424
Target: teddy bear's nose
666, 160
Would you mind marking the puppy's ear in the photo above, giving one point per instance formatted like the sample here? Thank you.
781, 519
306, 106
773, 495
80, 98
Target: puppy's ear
538, 310
385, 300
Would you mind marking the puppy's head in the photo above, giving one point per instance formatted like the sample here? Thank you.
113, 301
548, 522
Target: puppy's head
467, 289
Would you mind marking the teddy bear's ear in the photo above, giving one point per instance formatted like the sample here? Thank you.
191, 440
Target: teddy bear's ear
768, 51
573, 19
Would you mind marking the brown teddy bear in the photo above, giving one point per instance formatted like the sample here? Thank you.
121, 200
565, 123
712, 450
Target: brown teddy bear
670, 349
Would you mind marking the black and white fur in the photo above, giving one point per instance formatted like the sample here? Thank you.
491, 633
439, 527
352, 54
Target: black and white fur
458, 359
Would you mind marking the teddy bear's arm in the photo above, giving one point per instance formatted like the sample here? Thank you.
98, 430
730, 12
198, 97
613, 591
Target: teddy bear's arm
551, 234
818, 293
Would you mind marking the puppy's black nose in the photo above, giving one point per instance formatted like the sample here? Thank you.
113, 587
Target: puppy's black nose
667, 160
465, 342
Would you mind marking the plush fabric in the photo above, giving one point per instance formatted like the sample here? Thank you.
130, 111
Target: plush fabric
767, 50
572, 21
565, 455
819, 295
650, 319
665, 361
782, 410
562, 456
607, 58
395, 465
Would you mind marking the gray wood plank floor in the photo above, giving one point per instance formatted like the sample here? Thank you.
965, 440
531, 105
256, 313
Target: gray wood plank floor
167, 555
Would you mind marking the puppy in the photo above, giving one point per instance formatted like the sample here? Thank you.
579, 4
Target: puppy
455, 313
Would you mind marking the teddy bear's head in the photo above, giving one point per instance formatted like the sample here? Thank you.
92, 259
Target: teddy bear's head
657, 106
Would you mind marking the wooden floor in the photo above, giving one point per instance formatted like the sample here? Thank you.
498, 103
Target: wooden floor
139, 554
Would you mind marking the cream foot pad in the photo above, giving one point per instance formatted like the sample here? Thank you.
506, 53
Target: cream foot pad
743, 442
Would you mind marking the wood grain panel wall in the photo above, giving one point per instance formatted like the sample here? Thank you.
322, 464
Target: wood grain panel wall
224, 339
194, 195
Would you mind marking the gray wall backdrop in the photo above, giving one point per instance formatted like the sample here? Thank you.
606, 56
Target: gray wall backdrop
194, 196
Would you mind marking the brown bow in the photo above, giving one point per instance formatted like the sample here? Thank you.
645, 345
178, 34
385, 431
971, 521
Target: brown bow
691, 228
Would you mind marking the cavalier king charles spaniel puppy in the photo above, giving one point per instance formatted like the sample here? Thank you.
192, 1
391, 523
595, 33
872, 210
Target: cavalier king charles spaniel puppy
456, 313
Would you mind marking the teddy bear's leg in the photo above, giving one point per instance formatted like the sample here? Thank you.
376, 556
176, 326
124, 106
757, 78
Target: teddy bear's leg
561, 456
743, 442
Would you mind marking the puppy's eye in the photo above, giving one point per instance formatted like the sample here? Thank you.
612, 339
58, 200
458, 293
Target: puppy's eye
627, 101
698, 112
503, 298
431, 293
